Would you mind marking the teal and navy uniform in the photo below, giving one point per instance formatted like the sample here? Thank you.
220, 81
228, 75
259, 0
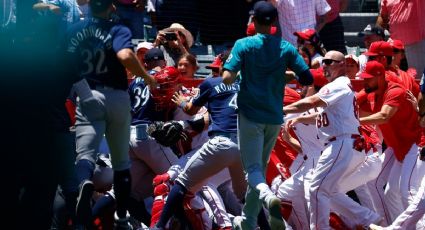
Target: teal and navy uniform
263, 60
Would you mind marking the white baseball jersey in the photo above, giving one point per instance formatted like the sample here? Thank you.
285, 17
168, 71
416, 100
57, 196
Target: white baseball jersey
307, 134
340, 116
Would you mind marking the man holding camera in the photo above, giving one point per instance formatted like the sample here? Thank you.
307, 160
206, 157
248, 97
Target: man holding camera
174, 41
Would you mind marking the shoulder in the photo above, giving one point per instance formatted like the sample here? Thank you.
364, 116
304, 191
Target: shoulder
209, 82
120, 28
395, 88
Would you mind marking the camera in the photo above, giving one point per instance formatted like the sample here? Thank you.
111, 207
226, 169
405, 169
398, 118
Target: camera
170, 36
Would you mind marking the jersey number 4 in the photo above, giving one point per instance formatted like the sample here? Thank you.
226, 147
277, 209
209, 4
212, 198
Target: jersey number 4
233, 102
94, 60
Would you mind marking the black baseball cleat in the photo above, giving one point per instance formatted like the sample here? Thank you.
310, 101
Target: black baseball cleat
84, 207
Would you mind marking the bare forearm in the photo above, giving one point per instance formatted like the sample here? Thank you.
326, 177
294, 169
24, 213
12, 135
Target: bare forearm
309, 119
382, 22
228, 77
130, 61
299, 106
374, 119
321, 21
295, 144
421, 103
343, 5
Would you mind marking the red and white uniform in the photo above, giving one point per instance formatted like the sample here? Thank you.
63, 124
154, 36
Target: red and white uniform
291, 190
400, 134
336, 124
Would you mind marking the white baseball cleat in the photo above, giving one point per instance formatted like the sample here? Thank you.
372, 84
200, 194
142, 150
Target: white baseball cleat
375, 227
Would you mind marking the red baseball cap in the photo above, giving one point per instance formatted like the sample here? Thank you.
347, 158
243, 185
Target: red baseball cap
380, 48
396, 44
250, 30
217, 63
372, 69
306, 34
319, 78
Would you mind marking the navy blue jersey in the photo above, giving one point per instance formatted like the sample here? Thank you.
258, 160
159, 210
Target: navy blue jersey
220, 100
142, 104
93, 45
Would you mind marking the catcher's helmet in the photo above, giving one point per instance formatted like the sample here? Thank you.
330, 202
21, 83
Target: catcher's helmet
166, 86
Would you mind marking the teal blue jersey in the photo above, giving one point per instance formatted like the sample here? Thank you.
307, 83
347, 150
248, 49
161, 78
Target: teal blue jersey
263, 60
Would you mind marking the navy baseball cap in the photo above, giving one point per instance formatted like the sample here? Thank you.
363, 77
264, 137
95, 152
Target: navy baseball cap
372, 29
154, 54
264, 12
99, 5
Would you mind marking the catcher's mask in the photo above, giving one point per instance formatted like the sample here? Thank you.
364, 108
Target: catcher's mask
166, 86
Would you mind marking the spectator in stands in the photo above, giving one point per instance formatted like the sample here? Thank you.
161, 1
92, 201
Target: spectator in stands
303, 51
131, 13
405, 21
215, 67
187, 66
300, 15
141, 50
332, 34
399, 59
352, 66
66, 11
371, 33
310, 40
174, 46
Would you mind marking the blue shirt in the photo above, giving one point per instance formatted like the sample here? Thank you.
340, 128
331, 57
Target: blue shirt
143, 106
220, 100
93, 45
263, 60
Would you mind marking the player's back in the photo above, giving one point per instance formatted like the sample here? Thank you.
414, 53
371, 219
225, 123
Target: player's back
93, 44
220, 100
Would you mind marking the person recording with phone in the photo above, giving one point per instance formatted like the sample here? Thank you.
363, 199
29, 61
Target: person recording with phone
174, 41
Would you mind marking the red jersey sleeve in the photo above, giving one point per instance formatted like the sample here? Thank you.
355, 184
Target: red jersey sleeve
394, 96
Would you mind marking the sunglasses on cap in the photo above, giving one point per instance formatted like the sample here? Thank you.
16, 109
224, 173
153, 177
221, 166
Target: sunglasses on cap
329, 61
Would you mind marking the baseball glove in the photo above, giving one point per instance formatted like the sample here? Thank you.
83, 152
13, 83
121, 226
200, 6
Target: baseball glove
166, 134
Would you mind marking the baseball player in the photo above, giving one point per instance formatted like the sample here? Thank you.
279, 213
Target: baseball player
398, 121
219, 152
148, 157
262, 60
411, 216
337, 127
101, 50
291, 190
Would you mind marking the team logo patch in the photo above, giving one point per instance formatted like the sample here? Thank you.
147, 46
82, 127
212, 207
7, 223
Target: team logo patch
324, 91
